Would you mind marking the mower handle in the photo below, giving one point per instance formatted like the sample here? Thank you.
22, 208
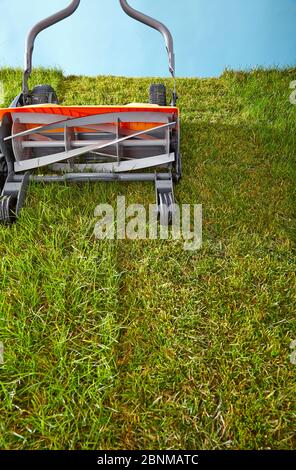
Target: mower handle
68, 11
137, 15
44, 24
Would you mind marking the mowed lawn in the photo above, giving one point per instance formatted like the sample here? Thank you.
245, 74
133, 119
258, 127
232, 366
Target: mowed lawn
140, 344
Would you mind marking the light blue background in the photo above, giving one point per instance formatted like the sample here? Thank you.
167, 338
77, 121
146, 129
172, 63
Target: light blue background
210, 35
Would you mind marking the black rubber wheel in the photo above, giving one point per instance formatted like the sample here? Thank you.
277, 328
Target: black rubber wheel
43, 94
3, 172
7, 210
158, 94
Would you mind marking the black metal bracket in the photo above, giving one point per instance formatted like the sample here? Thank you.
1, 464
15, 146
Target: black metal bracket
12, 197
12, 187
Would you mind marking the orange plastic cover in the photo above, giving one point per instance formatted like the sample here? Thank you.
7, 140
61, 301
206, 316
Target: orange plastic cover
82, 111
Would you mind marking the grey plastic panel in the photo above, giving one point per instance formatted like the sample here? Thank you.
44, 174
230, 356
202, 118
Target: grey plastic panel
51, 121
85, 143
132, 165
33, 163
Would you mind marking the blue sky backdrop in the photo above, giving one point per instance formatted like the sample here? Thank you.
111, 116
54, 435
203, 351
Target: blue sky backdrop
99, 38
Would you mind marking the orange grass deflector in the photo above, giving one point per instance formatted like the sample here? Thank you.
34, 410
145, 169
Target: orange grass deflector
82, 111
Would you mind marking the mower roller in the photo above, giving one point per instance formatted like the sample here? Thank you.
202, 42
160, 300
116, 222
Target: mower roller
134, 142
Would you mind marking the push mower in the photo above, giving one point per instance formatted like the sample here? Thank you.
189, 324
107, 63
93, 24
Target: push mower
42, 141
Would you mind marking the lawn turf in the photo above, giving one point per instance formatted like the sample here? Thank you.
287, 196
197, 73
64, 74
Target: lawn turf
140, 344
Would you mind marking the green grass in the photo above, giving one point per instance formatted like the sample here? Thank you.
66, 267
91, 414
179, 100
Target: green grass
133, 345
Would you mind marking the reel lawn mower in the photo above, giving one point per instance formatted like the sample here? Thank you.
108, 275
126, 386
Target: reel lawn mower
135, 142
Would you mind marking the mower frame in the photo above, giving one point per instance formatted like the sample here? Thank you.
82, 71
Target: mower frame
16, 137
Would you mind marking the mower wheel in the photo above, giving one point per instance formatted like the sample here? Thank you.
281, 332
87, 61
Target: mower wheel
8, 210
43, 94
158, 94
3, 172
